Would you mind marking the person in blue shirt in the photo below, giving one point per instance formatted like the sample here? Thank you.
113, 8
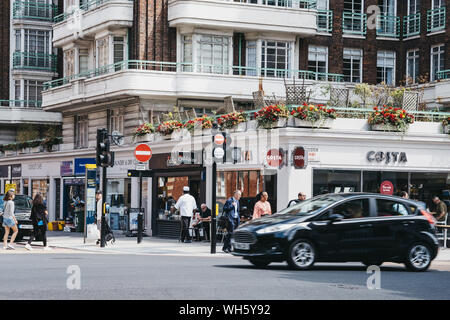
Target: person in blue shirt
231, 211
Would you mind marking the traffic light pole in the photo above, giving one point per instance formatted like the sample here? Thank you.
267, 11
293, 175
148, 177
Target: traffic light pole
140, 217
103, 220
213, 209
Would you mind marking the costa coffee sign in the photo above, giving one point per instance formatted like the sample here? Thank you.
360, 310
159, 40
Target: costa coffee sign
387, 188
299, 158
387, 157
274, 157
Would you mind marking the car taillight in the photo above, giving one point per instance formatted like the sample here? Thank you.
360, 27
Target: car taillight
429, 217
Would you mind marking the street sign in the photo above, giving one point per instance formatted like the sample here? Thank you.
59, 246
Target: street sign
299, 158
274, 157
143, 153
219, 139
140, 166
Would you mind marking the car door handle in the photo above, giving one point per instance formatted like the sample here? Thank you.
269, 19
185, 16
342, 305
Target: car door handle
365, 225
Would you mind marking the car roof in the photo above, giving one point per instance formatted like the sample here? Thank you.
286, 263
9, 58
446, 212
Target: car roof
377, 195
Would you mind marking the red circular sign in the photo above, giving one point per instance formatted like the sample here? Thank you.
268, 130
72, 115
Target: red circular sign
387, 188
143, 153
274, 157
299, 158
219, 139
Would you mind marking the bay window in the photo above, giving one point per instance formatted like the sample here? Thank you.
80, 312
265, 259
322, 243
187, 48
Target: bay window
213, 54
275, 58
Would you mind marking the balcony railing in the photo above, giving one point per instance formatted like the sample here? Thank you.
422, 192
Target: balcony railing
354, 23
388, 26
184, 67
34, 10
324, 20
34, 61
411, 25
443, 75
21, 103
84, 6
436, 19
302, 4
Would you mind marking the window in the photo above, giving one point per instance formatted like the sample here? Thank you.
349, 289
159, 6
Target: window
388, 21
69, 65
353, 17
355, 6
438, 4
17, 93
275, 58
318, 61
386, 67
387, 7
336, 181
353, 209
213, 54
251, 58
33, 90
391, 208
413, 6
352, 65
116, 120
119, 51
18, 40
187, 53
36, 41
437, 61
412, 66
83, 60
81, 131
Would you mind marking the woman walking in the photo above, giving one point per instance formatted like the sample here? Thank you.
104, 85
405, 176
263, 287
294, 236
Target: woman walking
9, 220
262, 207
39, 215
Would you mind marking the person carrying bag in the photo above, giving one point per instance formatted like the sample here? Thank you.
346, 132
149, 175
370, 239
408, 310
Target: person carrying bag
39, 217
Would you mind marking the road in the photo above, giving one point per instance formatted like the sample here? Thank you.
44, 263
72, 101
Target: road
117, 276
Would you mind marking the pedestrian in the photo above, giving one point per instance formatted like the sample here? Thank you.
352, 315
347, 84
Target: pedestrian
204, 220
231, 212
262, 207
9, 220
186, 204
99, 212
301, 196
39, 218
441, 209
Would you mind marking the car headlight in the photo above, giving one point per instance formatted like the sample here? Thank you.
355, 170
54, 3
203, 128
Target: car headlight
277, 228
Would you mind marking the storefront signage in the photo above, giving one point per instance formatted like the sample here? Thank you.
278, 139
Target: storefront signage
80, 165
10, 186
179, 158
387, 157
313, 155
387, 188
219, 139
298, 158
219, 153
66, 168
16, 170
274, 157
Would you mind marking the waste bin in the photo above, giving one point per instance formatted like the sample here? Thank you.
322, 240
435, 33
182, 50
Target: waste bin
79, 222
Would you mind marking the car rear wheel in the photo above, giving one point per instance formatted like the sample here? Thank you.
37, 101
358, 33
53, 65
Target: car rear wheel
418, 257
259, 263
302, 255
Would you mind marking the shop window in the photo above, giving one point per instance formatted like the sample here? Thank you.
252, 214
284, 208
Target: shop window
372, 181
336, 181
390, 208
353, 209
424, 185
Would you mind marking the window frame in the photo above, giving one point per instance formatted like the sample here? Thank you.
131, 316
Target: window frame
416, 59
352, 56
317, 53
441, 56
385, 59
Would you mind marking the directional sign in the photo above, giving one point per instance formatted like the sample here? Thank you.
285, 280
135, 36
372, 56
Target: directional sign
143, 153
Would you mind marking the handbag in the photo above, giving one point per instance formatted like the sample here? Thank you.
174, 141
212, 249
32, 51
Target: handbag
40, 223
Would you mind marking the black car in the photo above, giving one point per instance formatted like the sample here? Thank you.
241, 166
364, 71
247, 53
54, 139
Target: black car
362, 227
22, 211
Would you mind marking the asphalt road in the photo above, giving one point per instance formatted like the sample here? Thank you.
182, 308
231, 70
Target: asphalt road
44, 276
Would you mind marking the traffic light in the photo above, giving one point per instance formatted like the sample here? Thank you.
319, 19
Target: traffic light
219, 147
105, 158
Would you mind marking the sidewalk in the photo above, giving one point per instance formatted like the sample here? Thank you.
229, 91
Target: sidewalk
153, 246
129, 245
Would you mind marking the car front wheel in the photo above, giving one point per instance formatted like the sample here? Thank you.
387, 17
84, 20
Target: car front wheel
302, 255
418, 257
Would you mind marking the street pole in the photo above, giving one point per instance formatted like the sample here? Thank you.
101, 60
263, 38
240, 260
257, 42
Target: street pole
140, 217
103, 221
213, 208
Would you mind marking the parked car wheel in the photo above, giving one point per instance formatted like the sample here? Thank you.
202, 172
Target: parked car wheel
260, 263
302, 255
418, 257
372, 263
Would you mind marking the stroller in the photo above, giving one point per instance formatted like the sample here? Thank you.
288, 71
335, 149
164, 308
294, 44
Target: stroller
109, 235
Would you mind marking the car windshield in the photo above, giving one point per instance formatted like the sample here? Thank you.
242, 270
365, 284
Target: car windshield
20, 202
311, 206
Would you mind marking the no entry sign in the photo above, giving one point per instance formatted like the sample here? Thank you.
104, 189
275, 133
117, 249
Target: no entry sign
143, 153
274, 157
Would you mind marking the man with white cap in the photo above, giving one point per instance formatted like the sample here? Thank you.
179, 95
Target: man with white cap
186, 204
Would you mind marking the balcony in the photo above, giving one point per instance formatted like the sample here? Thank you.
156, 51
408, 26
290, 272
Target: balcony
90, 18
26, 111
34, 11
283, 16
34, 61
324, 21
168, 79
388, 26
354, 23
411, 25
436, 19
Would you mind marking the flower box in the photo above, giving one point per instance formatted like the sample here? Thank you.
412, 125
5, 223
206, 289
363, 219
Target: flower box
24, 150
447, 129
10, 153
252, 125
37, 149
384, 127
240, 127
280, 123
148, 137
323, 124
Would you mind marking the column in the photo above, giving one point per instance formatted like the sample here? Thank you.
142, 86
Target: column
149, 213
51, 200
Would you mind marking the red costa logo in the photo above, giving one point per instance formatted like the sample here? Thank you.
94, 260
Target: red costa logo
274, 157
